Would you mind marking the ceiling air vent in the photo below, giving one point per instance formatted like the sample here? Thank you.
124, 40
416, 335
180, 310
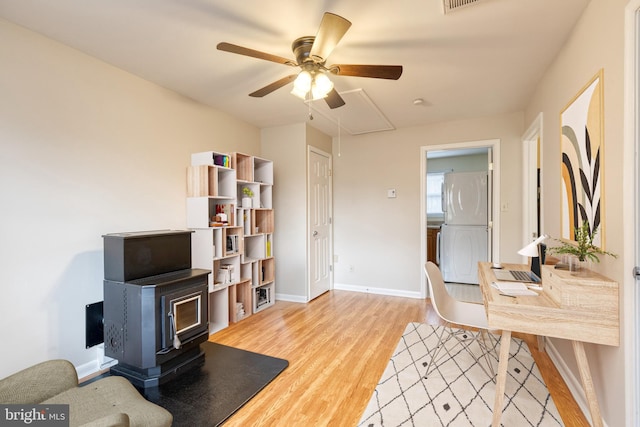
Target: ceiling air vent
452, 5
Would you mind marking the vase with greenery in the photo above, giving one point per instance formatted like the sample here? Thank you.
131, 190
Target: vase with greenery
583, 248
248, 194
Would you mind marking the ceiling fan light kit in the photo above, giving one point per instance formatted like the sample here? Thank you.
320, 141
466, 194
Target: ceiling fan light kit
317, 85
311, 55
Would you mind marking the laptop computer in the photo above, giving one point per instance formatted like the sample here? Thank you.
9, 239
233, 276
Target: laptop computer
516, 276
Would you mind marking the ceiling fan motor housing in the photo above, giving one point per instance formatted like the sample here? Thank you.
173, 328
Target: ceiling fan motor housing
301, 48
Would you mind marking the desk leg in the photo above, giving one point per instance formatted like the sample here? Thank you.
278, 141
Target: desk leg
587, 383
503, 361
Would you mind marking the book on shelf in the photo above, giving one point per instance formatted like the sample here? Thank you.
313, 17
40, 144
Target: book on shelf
221, 160
233, 244
226, 274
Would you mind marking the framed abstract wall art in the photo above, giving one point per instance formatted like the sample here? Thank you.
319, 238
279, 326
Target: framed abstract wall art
581, 145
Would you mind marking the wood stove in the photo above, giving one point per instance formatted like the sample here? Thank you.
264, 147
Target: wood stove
156, 310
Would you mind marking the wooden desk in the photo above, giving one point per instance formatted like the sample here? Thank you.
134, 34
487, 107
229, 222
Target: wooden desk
580, 309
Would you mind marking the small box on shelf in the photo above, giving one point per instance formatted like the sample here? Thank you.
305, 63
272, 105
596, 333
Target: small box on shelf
262, 170
248, 195
203, 212
240, 304
243, 165
254, 247
201, 182
264, 220
266, 198
223, 216
218, 310
267, 271
233, 241
263, 297
226, 271
246, 218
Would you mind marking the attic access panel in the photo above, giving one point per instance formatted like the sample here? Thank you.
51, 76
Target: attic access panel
358, 116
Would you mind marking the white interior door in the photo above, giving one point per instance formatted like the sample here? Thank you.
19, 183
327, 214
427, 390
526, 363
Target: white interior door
320, 246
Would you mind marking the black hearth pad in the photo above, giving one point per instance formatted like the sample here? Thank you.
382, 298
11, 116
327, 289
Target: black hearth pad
209, 394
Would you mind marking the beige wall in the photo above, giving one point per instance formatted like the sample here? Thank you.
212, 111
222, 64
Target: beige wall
597, 42
87, 149
379, 237
287, 147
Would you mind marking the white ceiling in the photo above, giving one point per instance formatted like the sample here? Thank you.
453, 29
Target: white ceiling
480, 60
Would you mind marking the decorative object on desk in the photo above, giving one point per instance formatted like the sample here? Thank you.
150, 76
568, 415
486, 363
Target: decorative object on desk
246, 200
536, 251
459, 392
583, 248
582, 141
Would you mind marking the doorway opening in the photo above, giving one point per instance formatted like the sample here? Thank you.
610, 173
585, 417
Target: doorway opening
468, 160
532, 181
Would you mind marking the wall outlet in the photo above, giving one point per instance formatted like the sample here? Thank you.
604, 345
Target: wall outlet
351, 268
391, 193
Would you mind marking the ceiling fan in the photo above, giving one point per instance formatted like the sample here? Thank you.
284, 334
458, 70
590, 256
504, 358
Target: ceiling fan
311, 53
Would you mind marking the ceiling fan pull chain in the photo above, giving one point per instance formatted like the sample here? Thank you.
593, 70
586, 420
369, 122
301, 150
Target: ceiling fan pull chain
339, 138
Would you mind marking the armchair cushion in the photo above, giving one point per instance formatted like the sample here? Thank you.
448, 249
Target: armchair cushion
110, 401
111, 395
38, 382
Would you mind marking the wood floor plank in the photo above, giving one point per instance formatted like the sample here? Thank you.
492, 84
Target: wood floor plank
338, 346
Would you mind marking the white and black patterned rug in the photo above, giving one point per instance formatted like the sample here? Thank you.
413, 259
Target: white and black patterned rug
457, 392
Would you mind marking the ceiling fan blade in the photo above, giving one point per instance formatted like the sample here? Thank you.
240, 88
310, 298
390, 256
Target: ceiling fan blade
331, 30
228, 47
334, 100
273, 86
392, 72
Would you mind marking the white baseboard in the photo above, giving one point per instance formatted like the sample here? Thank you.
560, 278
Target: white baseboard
101, 363
291, 298
574, 384
87, 369
378, 291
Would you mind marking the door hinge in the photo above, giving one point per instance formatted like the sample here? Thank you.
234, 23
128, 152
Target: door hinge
491, 166
636, 273
330, 172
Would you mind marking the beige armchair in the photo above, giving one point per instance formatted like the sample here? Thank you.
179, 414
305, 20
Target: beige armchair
110, 401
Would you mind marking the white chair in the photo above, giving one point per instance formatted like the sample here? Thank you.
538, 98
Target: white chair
464, 314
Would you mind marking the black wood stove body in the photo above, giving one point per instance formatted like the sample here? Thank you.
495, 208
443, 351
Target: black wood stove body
156, 311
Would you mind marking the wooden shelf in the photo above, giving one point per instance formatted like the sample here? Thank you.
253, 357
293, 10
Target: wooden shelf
239, 252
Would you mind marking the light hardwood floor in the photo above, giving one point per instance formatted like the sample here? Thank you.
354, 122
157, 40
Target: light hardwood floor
337, 347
